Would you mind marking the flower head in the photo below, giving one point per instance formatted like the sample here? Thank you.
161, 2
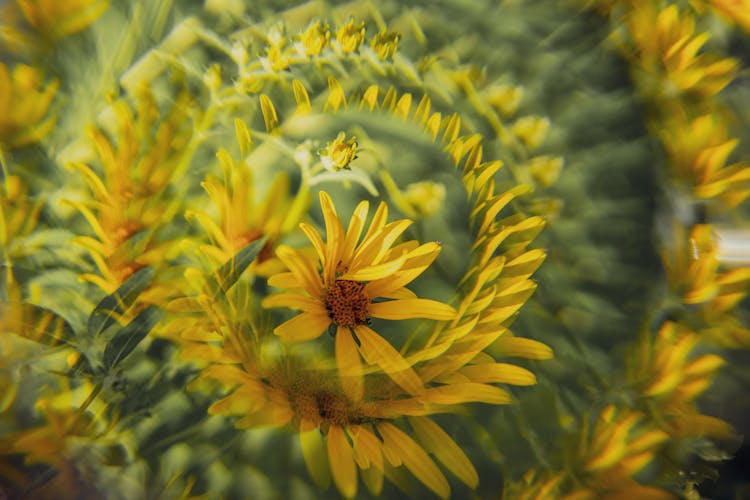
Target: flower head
337, 155
385, 43
314, 39
338, 290
24, 101
58, 19
350, 36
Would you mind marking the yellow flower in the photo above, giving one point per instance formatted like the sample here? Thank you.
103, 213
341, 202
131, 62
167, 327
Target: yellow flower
531, 130
671, 380
673, 51
56, 19
337, 155
339, 435
314, 39
242, 219
350, 36
24, 101
129, 196
385, 43
698, 149
737, 11
339, 287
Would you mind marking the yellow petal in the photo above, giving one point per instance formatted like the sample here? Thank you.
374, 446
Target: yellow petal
292, 301
334, 235
302, 269
342, 462
377, 351
468, 392
367, 448
412, 308
303, 327
503, 373
285, 280
414, 458
354, 231
313, 451
437, 441
349, 365
370, 273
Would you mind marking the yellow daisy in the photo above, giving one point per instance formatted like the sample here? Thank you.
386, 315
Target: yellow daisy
339, 288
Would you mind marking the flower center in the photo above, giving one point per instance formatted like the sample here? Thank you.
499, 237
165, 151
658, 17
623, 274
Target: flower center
347, 302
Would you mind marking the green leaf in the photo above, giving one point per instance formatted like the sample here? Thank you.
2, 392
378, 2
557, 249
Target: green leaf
111, 306
228, 274
126, 339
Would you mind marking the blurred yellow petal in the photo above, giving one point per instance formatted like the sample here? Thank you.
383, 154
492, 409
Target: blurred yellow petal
343, 469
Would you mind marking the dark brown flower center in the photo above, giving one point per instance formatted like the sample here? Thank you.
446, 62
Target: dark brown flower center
347, 302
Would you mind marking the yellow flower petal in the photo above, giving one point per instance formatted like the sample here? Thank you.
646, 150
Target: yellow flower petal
504, 373
349, 365
292, 301
354, 231
313, 451
285, 280
468, 392
367, 448
412, 308
305, 326
377, 351
414, 458
334, 235
302, 269
437, 441
342, 462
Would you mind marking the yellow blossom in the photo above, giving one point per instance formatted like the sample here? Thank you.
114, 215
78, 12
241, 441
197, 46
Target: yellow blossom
56, 19
699, 149
350, 36
129, 196
505, 98
668, 377
385, 44
673, 51
339, 153
737, 11
546, 169
531, 130
24, 101
242, 219
314, 39
339, 287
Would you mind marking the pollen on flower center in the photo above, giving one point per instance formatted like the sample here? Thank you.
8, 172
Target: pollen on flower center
346, 302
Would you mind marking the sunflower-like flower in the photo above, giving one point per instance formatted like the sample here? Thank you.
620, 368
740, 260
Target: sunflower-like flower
24, 101
58, 19
338, 289
338, 154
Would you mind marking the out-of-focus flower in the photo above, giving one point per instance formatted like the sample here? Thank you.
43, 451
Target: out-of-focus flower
57, 19
129, 196
664, 372
737, 11
242, 219
314, 39
698, 150
24, 101
339, 153
385, 44
339, 287
276, 58
531, 130
504, 98
350, 36
546, 169
673, 52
